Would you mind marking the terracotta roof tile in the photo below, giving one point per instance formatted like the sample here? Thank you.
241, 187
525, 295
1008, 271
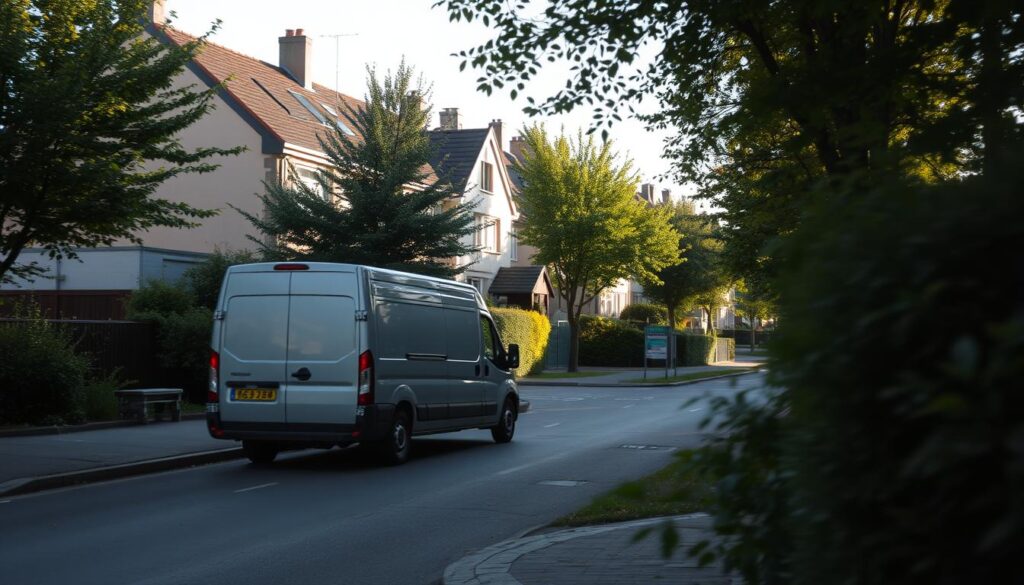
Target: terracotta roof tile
265, 90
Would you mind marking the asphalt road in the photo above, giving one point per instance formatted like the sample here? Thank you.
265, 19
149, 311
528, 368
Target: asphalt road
338, 517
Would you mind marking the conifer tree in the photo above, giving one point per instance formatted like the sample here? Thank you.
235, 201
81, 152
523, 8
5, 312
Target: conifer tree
379, 203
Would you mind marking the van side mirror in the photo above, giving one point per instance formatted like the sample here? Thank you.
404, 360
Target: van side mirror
512, 360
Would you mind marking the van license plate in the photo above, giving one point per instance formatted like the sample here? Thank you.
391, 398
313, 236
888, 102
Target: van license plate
255, 394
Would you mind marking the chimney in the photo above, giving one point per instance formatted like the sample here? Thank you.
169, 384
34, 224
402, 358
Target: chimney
499, 130
157, 12
647, 192
296, 56
517, 146
450, 119
666, 195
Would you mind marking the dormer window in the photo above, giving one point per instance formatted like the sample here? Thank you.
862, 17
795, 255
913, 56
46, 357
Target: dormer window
487, 177
310, 107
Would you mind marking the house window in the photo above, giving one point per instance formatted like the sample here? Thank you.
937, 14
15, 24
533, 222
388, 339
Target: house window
309, 179
337, 120
487, 176
477, 283
513, 244
487, 230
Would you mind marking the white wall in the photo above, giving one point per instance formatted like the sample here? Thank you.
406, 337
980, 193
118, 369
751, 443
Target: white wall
494, 204
115, 268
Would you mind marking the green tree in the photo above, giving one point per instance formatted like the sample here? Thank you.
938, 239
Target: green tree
204, 279
699, 280
89, 126
582, 215
754, 304
382, 207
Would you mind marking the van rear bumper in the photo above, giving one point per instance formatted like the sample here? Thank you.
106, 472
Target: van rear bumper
371, 424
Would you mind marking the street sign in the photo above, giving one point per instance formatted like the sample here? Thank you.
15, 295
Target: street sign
656, 342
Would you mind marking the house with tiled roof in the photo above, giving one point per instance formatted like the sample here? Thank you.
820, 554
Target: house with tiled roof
276, 112
474, 160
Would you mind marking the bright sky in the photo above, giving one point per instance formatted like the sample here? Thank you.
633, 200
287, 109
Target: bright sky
386, 31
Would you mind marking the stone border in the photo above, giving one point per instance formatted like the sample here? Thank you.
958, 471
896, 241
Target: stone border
555, 382
492, 565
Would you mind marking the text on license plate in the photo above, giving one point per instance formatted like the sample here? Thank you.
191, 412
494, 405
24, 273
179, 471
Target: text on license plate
255, 394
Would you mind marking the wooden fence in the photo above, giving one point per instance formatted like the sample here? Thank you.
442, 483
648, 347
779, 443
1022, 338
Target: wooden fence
128, 345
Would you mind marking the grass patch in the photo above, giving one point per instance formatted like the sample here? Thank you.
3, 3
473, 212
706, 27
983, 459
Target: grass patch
671, 491
556, 375
652, 378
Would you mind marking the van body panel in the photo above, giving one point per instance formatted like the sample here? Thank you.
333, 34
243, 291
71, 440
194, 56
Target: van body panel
253, 345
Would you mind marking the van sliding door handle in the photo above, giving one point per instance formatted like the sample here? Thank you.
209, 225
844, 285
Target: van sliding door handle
303, 374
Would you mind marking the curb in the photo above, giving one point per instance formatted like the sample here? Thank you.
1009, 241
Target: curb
642, 385
492, 565
95, 426
17, 487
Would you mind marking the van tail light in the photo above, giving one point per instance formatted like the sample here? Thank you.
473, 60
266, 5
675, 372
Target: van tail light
365, 378
212, 395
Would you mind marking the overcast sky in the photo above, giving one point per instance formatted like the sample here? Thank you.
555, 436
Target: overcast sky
387, 30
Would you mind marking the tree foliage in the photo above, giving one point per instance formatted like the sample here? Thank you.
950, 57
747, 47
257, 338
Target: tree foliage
700, 280
581, 214
204, 280
382, 206
89, 125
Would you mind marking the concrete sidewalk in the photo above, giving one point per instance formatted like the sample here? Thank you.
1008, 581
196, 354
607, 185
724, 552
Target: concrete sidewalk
30, 463
592, 555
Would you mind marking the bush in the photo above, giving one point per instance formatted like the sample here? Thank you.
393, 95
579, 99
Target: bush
203, 281
158, 297
610, 343
100, 403
695, 349
41, 376
894, 452
183, 335
530, 330
645, 313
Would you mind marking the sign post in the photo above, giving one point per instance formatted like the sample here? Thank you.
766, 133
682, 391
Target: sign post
656, 345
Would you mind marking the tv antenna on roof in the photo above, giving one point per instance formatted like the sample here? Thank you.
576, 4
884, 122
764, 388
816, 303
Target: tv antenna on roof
337, 54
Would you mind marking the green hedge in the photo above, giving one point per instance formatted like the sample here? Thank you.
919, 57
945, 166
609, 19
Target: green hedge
528, 329
610, 343
41, 376
695, 349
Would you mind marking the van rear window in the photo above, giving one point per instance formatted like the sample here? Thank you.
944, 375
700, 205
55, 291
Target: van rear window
256, 328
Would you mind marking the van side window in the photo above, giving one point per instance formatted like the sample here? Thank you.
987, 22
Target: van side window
490, 338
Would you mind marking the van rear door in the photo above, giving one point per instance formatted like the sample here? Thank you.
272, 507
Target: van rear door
323, 350
253, 349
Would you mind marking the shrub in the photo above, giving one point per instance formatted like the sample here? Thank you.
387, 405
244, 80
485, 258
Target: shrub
695, 349
100, 403
203, 281
530, 330
41, 376
610, 343
645, 313
158, 297
183, 335
893, 452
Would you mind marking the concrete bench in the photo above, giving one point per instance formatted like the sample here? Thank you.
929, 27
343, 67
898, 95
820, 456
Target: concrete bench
134, 403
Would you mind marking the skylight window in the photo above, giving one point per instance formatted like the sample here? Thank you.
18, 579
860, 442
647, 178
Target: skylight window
312, 109
337, 120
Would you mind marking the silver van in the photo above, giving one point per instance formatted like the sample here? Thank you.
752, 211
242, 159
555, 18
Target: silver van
308, 354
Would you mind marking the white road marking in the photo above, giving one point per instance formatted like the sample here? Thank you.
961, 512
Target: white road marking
5, 502
694, 409
551, 425
255, 487
522, 467
629, 406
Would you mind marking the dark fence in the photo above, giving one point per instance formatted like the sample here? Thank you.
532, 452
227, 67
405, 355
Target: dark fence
128, 345
69, 304
742, 336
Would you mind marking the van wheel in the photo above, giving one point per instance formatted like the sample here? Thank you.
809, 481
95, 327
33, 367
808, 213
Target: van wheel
260, 452
506, 427
396, 447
